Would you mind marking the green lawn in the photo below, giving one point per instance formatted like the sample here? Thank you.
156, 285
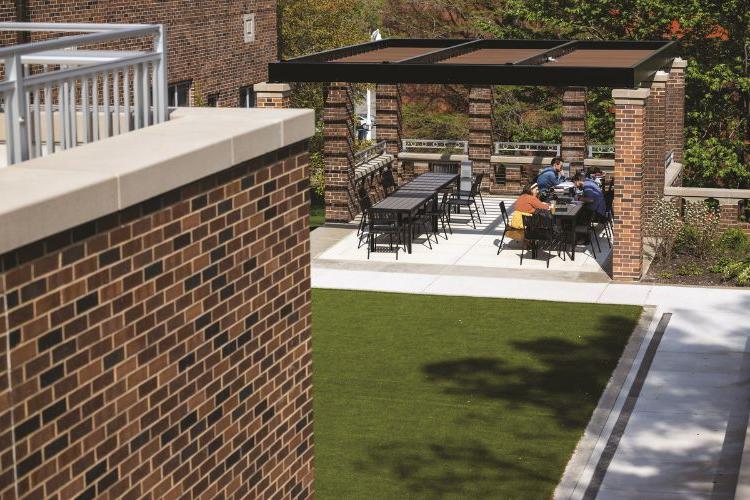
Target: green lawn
447, 397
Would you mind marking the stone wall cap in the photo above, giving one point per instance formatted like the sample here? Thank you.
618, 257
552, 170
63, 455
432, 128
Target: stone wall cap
679, 62
661, 77
272, 87
46, 195
632, 94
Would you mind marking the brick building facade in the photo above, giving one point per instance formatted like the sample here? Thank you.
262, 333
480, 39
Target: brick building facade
164, 350
207, 51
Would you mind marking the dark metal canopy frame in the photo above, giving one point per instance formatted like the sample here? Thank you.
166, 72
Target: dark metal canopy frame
560, 63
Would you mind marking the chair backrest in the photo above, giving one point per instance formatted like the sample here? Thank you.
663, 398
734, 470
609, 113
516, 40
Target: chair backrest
539, 225
387, 179
444, 201
585, 217
379, 217
476, 184
365, 203
504, 213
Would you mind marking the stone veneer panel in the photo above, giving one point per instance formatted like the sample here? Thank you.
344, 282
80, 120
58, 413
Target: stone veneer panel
164, 350
388, 124
655, 147
675, 110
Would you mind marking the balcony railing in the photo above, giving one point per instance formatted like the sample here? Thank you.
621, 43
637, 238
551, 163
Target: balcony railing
527, 148
56, 96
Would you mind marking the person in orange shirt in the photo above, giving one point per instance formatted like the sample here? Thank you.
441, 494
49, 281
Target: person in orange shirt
526, 204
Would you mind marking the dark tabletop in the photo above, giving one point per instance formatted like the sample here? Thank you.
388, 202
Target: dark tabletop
416, 193
572, 210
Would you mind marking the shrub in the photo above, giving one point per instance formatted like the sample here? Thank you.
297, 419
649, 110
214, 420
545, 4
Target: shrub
688, 241
720, 264
743, 278
701, 221
663, 224
689, 269
733, 270
734, 240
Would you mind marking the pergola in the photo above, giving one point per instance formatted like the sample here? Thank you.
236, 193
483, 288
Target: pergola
647, 79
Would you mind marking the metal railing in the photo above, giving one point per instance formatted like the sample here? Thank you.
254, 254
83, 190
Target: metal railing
601, 151
527, 148
369, 153
55, 96
434, 145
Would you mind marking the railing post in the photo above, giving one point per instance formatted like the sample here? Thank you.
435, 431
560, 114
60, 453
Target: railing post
15, 103
160, 47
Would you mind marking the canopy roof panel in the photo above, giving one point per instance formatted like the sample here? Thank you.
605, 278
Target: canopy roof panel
483, 62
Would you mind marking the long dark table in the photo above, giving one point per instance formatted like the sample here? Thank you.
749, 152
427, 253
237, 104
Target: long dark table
409, 198
568, 217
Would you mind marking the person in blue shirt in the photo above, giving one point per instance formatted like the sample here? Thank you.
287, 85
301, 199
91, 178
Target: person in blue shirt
592, 194
550, 176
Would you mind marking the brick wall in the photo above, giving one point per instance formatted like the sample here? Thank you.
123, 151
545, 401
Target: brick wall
480, 133
164, 350
338, 133
630, 117
573, 147
388, 121
675, 110
655, 147
204, 38
729, 217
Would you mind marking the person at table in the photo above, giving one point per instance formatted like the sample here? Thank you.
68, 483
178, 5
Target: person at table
592, 195
526, 204
551, 176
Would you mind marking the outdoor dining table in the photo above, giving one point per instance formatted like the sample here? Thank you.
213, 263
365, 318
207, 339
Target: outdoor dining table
567, 215
406, 201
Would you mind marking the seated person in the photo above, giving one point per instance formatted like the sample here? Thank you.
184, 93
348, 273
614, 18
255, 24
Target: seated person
526, 204
551, 176
592, 195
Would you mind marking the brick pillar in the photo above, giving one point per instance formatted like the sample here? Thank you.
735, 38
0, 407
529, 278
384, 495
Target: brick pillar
480, 132
272, 95
388, 119
630, 123
338, 135
675, 110
573, 147
655, 141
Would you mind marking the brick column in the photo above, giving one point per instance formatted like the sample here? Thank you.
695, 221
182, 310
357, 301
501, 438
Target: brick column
675, 110
630, 123
574, 127
388, 119
272, 95
655, 141
338, 135
480, 132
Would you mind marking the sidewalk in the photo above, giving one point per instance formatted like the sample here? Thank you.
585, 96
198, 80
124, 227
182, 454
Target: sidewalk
682, 434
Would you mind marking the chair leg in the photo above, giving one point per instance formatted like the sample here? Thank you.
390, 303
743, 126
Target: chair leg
482, 200
523, 249
500, 246
474, 201
596, 237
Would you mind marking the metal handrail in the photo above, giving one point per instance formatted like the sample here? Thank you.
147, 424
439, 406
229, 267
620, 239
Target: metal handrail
367, 154
434, 144
596, 150
110, 97
527, 147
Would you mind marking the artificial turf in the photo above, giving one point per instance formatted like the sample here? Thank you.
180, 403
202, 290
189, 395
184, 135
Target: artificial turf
420, 396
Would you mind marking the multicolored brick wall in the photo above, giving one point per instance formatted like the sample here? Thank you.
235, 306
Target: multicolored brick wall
480, 133
164, 351
573, 147
205, 39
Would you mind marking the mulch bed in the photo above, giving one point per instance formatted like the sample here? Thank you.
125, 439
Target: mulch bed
674, 272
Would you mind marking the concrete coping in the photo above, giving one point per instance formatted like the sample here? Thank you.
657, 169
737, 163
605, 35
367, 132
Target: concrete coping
724, 196
272, 88
679, 62
630, 96
409, 155
46, 195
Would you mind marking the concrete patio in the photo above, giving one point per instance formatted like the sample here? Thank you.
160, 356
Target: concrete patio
467, 250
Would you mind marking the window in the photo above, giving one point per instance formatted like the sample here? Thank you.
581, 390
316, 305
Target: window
212, 100
178, 94
247, 97
248, 21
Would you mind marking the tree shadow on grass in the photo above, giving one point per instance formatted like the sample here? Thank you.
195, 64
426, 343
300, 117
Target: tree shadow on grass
567, 377
466, 469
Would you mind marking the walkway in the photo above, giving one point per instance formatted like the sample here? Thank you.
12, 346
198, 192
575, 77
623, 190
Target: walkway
682, 424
